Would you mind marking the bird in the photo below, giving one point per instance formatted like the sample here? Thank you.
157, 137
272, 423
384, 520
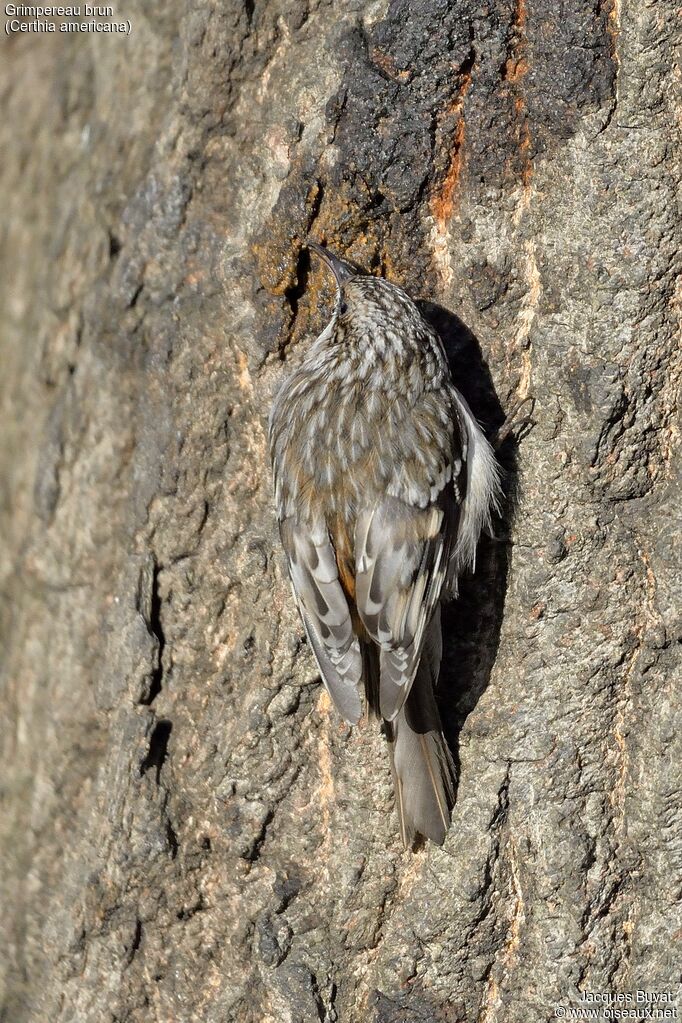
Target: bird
383, 483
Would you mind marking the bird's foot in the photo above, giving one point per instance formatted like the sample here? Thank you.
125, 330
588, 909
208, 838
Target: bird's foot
512, 422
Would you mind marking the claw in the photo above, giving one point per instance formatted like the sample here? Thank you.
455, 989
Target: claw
511, 422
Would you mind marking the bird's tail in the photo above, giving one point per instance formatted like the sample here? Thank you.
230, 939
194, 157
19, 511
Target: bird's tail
423, 769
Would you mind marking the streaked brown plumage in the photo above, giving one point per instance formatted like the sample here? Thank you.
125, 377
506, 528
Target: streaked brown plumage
383, 482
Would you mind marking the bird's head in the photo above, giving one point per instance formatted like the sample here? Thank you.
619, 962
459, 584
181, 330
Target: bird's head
366, 305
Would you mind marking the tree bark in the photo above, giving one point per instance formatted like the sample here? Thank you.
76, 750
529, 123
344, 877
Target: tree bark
188, 832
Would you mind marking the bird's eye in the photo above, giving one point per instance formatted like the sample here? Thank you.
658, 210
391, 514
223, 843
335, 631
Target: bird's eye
343, 308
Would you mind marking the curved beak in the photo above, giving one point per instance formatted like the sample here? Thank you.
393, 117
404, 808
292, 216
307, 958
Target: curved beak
342, 270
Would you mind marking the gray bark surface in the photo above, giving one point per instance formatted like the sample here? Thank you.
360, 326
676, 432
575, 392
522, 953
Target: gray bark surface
187, 830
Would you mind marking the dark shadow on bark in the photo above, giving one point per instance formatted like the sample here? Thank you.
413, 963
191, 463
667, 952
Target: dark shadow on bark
472, 623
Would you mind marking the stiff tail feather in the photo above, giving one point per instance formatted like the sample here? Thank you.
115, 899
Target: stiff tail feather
423, 769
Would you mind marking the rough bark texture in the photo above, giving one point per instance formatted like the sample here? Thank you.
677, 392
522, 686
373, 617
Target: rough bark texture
187, 831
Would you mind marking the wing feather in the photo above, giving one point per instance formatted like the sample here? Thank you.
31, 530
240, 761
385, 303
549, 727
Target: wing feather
401, 554
325, 612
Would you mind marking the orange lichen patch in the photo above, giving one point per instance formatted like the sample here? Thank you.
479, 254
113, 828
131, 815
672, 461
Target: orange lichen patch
443, 204
516, 65
520, 16
514, 68
387, 65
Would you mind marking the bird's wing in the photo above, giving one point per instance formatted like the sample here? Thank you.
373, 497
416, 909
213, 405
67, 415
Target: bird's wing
325, 613
401, 558
404, 537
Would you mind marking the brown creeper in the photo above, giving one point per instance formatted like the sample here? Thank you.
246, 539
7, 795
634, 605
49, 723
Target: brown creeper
383, 482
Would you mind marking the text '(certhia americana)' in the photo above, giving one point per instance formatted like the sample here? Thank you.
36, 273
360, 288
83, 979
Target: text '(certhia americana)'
383, 483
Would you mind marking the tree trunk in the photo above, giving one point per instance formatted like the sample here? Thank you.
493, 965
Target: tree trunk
188, 831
